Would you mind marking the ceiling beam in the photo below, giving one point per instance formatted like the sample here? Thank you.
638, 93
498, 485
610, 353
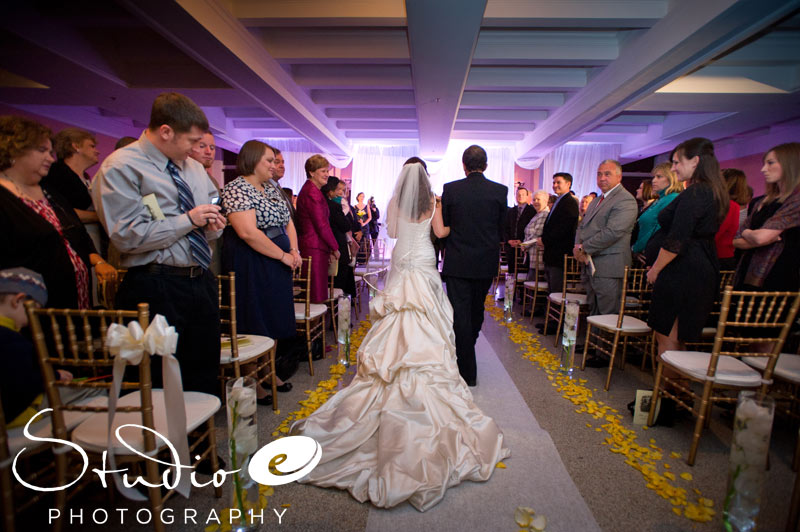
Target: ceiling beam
310, 45
362, 98
213, 37
440, 72
530, 47
511, 100
350, 13
371, 114
575, 13
352, 76
501, 115
487, 77
377, 125
690, 35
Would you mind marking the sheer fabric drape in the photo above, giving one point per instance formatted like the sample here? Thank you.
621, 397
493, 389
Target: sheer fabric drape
581, 161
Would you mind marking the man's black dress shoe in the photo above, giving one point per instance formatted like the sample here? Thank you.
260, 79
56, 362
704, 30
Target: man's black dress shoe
283, 388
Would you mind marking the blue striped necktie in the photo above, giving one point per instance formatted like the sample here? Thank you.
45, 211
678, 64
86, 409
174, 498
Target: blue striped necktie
197, 239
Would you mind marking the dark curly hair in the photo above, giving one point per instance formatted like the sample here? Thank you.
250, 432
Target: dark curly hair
18, 135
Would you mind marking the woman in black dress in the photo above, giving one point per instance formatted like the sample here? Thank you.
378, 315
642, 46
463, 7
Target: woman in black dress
334, 192
374, 226
770, 236
686, 272
260, 246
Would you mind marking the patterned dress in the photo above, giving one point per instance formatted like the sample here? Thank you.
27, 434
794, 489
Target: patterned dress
43, 208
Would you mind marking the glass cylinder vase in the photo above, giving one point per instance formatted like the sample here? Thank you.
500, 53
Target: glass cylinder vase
568, 337
508, 302
748, 461
343, 330
242, 444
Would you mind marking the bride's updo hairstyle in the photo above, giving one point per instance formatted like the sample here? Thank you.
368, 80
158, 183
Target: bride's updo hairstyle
412, 197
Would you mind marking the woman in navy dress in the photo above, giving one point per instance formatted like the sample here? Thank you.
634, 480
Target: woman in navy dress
260, 246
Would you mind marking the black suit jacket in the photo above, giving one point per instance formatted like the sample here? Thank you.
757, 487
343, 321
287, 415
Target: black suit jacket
515, 225
475, 209
558, 235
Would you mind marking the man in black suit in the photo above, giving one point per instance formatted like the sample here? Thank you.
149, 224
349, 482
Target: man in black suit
558, 235
518, 217
474, 209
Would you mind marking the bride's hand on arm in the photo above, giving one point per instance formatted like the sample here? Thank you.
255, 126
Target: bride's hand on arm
439, 228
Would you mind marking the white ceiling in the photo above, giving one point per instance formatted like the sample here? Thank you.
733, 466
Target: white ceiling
533, 74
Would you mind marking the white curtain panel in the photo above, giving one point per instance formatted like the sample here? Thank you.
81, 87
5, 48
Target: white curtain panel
295, 153
376, 167
579, 159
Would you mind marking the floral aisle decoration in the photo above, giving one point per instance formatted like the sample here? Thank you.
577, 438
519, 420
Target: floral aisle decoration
648, 459
528, 520
326, 388
748, 462
242, 443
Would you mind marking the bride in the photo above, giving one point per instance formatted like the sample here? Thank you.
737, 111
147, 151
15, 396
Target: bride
406, 427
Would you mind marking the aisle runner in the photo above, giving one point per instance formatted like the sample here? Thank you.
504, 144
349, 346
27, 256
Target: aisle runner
534, 477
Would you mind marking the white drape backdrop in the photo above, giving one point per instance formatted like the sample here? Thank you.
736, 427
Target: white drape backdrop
295, 153
580, 160
375, 169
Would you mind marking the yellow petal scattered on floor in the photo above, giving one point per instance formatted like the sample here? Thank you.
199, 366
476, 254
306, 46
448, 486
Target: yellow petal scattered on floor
500, 465
619, 438
686, 476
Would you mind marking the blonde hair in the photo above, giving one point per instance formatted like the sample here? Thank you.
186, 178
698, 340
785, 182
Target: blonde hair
674, 184
788, 156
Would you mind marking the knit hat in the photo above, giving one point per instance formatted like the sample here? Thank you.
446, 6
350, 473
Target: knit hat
23, 280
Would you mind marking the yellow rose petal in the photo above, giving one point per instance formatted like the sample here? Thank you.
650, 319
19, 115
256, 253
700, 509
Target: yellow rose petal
500, 465
686, 476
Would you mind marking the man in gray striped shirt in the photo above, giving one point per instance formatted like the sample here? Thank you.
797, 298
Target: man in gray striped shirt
154, 202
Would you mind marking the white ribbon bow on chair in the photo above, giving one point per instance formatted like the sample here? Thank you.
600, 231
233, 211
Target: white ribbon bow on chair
128, 345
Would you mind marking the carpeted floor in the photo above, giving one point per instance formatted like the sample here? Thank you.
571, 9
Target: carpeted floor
559, 466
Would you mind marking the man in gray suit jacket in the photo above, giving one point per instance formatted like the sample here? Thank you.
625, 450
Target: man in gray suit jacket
604, 234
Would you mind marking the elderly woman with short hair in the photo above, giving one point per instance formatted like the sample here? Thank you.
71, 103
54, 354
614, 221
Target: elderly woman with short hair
76, 151
314, 228
534, 229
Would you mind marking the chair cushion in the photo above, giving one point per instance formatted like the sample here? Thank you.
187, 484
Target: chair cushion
315, 311
609, 322
556, 297
43, 427
730, 371
522, 276
504, 267
337, 292
787, 367
250, 346
709, 331
533, 284
91, 434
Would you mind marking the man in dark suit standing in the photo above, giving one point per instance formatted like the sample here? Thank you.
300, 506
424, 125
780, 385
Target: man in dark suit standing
474, 209
558, 235
518, 217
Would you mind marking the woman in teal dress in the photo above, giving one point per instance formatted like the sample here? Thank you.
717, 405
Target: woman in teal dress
666, 187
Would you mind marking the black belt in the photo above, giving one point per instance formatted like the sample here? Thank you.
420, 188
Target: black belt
272, 232
164, 269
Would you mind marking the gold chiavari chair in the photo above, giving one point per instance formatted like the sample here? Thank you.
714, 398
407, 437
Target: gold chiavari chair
78, 339
535, 290
604, 332
572, 290
333, 301
747, 320
309, 317
253, 353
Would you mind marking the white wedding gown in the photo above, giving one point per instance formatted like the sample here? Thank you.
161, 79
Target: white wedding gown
406, 427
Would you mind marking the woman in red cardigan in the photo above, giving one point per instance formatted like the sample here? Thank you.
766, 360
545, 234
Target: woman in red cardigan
314, 228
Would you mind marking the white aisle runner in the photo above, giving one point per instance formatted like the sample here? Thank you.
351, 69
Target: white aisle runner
534, 477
